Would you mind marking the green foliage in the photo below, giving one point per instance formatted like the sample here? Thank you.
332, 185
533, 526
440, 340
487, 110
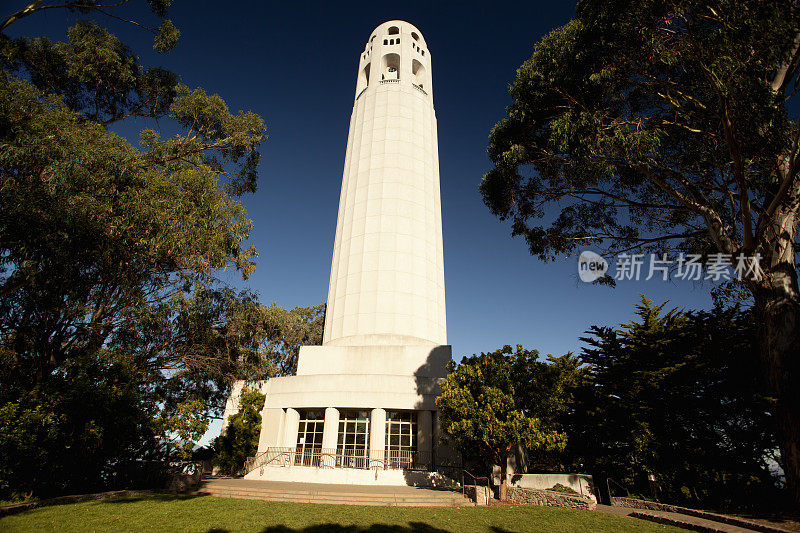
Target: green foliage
665, 126
83, 426
640, 119
558, 487
165, 35
108, 256
676, 394
481, 407
286, 331
240, 437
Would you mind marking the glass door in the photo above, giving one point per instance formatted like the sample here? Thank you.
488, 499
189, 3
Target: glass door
352, 450
309, 437
401, 438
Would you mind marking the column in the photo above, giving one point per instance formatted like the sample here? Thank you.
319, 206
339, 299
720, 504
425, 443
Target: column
271, 435
445, 454
377, 438
330, 433
291, 426
424, 437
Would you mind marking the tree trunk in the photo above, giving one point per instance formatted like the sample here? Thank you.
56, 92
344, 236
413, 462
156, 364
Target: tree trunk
777, 303
780, 343
503, 476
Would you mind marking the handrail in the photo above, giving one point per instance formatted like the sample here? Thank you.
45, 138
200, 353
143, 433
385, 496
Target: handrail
258, 461
608, 486
338, 458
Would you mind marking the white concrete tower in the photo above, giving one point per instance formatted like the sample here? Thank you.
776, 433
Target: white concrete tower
387, 273
361, 408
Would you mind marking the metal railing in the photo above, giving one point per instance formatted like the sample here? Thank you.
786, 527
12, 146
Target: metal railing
609, 481
390, 81
475, 479
420, 89
344, 458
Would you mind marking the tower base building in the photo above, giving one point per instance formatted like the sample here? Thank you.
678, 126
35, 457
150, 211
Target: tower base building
361, 407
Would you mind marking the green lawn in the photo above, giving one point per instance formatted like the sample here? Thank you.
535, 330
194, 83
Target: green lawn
208, 514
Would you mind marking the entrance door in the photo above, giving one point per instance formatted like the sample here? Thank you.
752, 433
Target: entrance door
352, 450
401, 439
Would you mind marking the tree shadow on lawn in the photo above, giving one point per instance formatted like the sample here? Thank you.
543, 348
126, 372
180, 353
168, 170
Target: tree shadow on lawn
413, 527
167, 497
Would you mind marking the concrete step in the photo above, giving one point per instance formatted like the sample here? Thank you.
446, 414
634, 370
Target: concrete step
424, 499
325, 496
334, 496
351, 501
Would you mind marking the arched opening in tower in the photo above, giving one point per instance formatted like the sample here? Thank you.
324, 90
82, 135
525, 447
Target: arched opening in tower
420, 75
391, 67
363, 79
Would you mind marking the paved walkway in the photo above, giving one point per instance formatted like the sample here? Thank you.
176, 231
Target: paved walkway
678, 519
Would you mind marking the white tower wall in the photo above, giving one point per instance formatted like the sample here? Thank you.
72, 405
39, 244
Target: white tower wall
387, 274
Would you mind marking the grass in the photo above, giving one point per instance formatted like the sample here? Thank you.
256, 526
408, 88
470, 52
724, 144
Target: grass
208, 514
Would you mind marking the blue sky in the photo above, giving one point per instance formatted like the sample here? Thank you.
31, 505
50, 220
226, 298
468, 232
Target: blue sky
295, 65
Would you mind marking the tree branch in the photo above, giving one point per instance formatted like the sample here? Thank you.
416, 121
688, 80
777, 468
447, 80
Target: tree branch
741, 184
789, 68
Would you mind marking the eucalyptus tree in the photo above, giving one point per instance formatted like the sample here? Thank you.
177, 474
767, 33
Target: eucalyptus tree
110, 247
668, 126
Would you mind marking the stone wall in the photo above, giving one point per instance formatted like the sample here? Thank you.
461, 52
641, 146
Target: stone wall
635, 503
480, 494
549, 498
580, 483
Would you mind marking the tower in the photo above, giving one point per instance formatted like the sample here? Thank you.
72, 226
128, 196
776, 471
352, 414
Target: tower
361, 408
387, 273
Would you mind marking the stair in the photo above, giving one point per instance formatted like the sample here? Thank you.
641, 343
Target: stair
332, 494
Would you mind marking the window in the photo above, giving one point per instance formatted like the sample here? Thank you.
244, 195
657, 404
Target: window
352, 450
414, 36
386, 41
401, 438
309, 437
394, 30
